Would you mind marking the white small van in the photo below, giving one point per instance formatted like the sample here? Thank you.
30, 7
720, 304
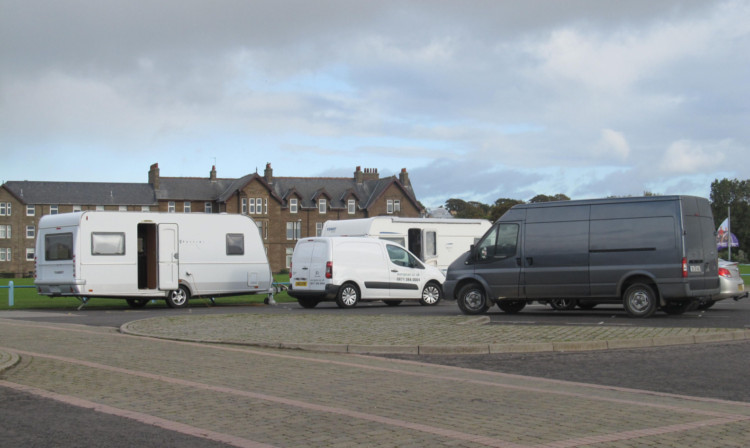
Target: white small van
350, 269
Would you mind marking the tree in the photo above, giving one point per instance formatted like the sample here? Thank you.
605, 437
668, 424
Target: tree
545, 198
501, 206
733, 194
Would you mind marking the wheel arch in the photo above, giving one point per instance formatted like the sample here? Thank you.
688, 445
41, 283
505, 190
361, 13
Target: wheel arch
473, 279
639, 277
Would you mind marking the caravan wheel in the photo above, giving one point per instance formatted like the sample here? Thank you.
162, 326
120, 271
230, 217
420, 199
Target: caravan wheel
178, 298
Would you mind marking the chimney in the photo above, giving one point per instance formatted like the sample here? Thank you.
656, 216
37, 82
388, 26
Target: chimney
268, 173
212, 175
371, 174
153, 176
358, 177
403, 177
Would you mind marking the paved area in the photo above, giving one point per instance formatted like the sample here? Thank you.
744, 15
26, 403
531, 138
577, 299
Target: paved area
414, 334
249, 396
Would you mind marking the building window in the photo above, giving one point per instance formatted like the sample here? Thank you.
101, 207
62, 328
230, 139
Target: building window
186, 207
260, 227
293, 205
397, 205
351, 206
30, 254
293, 230
259, 206
30, 210
30, 232
4, 208
207, 207
99, 208
243, 206
289, 252
77, 208
145, 208
53, 209
171, 207
122, 208
318, 228
389, 206
251, 207
4, 254
265, 206
321, 206
4, 232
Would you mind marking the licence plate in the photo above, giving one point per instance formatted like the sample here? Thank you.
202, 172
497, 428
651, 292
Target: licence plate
300, 284
696, 269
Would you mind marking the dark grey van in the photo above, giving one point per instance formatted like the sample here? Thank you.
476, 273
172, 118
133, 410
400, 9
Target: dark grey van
656, 252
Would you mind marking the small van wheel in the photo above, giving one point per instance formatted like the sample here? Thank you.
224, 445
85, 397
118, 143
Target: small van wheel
640, 300
308, 302
472, 299
431, 294
348, 296
179, 297
137, 303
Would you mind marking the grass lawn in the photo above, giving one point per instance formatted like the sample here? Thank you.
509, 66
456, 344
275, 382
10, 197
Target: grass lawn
27, 298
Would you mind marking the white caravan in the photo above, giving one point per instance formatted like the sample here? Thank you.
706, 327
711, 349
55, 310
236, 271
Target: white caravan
141, 256
437, 242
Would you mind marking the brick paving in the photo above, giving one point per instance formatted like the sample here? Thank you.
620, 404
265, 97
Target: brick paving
253, 396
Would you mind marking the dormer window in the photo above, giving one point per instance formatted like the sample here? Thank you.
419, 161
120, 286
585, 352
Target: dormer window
351, 206
321, 206
293, 205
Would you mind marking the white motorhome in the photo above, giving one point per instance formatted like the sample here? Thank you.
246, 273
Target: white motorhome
139, 256
437, 242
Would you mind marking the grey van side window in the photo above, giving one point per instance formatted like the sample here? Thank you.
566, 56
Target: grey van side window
500, 242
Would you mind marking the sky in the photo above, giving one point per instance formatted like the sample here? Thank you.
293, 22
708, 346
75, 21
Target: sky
478, 100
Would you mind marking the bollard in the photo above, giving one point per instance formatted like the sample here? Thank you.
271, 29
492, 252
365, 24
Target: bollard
10, 293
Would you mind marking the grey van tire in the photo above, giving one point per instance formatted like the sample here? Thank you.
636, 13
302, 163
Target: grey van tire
178, 298
348, 296
431, 294
472, 299
640, 300
511, 306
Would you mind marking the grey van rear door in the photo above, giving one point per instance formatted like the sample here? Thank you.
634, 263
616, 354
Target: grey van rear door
700, 244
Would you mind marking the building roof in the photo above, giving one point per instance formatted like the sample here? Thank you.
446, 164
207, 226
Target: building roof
80, 193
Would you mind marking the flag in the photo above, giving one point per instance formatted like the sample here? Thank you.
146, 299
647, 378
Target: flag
724, 236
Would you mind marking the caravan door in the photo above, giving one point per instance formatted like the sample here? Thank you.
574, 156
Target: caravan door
168, 257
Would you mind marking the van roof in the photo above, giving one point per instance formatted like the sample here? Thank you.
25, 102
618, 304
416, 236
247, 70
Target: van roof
606, 201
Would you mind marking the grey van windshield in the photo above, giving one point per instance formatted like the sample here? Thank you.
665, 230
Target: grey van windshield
500, 242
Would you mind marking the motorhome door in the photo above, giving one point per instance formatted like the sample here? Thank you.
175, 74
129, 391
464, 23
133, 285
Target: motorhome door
168, 257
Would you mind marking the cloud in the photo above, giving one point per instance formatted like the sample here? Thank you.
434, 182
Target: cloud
613, 143
685, 157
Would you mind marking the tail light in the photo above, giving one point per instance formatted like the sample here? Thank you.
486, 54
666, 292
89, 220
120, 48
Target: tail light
329, 269
290, 270
724, 272
684, 268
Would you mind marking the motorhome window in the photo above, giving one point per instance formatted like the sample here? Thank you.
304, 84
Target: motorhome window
235, 244
500, 242
400, 257
58, 247
394, 239
107, 243
430, 244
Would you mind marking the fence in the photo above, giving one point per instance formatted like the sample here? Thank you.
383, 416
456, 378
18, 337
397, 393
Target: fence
10, 289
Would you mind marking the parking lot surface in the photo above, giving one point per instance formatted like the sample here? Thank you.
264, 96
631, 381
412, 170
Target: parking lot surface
250, 395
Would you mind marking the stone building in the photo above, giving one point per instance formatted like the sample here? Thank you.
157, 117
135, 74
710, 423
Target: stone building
284, 208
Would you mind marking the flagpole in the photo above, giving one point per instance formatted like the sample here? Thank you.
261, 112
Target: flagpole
729, 233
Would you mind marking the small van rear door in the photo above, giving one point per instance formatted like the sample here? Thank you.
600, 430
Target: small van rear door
301, 263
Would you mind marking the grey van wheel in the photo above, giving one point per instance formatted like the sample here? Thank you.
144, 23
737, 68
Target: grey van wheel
431, 294
179, 297
348, 296
640, 300
472, 299
511, 306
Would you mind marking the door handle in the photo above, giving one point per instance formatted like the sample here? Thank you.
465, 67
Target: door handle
529, 261
394, 270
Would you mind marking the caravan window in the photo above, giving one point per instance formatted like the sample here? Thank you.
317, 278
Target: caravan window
58, 246
107, 243
430, 244
235, 244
